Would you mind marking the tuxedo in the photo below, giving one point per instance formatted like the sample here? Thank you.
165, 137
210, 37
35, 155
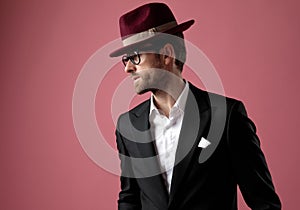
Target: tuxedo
204, 178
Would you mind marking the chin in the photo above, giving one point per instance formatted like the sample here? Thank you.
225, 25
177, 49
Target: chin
145, 90
142, 91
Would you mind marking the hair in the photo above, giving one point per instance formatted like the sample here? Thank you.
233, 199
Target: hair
180, 50
177, 41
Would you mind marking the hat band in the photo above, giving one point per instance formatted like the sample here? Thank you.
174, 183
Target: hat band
149, 33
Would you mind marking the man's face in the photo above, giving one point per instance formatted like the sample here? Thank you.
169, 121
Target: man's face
148, 75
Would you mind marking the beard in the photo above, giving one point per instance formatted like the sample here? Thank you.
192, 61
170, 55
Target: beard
150, 79
144, 87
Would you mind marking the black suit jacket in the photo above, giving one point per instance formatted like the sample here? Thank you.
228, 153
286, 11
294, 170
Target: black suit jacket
203, 178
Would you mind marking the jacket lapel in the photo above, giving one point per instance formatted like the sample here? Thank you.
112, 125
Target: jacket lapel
196, 119
148, 168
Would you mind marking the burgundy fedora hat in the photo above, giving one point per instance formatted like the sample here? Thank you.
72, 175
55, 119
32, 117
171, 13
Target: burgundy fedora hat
146, 22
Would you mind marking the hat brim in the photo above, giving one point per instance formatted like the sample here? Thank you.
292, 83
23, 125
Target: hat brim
179, 28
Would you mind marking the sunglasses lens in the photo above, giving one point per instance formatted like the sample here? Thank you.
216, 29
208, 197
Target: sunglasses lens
125, 60
135, 59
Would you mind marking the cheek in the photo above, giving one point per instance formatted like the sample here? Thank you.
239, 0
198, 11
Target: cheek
145, 74
151, 75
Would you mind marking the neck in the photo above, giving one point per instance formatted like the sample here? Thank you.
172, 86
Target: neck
165, 100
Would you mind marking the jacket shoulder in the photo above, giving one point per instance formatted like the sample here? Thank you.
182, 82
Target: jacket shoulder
138, 109
220, 101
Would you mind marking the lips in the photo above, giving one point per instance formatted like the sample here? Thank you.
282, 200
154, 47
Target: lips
135, 77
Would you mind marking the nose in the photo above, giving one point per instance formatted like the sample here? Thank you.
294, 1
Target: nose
130, 67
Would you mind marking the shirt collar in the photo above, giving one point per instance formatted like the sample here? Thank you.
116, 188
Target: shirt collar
180, 102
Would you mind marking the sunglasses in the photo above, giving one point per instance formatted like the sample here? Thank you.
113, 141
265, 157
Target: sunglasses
134, 58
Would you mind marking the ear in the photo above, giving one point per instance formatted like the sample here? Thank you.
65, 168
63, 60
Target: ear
168, 54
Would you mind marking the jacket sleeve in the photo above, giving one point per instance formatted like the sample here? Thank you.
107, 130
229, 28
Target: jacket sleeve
249, 163
129, 195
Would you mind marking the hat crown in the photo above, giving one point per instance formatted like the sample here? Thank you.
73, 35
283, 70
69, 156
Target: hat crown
144, 18
146, 23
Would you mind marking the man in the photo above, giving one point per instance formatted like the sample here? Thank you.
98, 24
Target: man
183, 148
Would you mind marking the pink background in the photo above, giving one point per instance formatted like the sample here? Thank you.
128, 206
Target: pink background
254, 46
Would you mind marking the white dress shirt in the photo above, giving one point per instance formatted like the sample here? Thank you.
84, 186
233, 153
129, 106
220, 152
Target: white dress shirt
165, 132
